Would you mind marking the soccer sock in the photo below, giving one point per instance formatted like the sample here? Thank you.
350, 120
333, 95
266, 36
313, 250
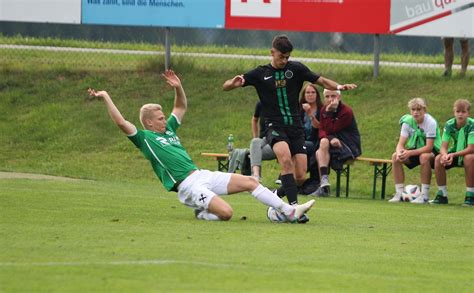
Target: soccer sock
265, 196
470, 189
444, 190
205, 215
289, 186
399, 188
324, 171
425, 190
281, 192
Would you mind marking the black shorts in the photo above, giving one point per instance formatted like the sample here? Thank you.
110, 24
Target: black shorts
294, 136
415, 161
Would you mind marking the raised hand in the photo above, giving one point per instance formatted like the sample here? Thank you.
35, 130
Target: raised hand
97, 94
171, 78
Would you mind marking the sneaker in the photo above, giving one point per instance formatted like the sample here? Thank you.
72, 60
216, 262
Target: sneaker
447, 73
420, 200
469, 199
303, 219
440, 198
300, 210
396, 198
324, 182
321, 192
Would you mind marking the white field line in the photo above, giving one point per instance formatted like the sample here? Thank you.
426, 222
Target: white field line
157, 262
229, 56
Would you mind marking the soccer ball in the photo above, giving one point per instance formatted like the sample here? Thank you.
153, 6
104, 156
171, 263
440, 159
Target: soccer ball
410, 192
276, 216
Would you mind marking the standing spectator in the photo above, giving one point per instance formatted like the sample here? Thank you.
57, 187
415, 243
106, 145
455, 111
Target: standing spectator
419, 143
459, 132
339, 138
278, 85
449, 55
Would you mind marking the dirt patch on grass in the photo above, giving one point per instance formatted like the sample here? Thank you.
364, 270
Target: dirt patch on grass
16, 175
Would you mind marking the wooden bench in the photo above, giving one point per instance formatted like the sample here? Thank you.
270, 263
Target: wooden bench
382, 168
222, 160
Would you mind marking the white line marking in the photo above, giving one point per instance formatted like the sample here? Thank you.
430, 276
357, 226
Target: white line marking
231, 56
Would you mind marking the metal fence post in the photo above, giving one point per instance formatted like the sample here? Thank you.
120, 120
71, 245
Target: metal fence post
167, 48
376, 55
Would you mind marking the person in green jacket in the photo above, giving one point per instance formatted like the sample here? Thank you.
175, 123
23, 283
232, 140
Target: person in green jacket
457, 150
419, 143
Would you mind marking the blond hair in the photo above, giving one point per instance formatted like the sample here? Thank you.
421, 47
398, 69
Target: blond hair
338, 92
147, 111
462, 104
417, 102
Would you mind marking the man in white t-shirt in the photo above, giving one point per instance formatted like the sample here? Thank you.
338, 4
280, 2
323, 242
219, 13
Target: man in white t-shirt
419, 142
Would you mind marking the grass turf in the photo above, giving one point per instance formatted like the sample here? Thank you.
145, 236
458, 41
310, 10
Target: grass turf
115, 236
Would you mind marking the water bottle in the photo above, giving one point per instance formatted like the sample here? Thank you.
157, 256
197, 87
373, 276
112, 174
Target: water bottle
230, 143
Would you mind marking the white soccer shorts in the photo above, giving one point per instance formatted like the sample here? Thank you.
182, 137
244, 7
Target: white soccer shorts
197, 190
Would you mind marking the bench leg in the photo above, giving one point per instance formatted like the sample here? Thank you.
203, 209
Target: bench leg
338, 182
374, 189
385, 171
347, 179
222, 165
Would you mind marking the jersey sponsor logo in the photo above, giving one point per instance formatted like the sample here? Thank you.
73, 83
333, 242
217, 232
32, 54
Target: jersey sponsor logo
267, 77
163, 141
274, 133
280, 83
289, 74
256, 8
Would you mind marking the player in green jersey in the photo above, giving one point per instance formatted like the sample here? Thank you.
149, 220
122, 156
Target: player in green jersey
196, 188
457, 150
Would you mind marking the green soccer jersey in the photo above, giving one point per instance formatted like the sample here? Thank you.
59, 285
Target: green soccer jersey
458, 139
167, 156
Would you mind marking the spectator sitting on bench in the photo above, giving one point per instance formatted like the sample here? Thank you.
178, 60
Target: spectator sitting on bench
311, 105
419, 143
259, 147
339, 138
460, 131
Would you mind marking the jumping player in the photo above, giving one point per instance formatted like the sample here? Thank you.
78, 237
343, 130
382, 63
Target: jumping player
278, 85
171, 163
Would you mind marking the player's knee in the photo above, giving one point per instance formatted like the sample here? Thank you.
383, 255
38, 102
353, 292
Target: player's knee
425, 158
468, 160
324, 144
252, 183
226, 214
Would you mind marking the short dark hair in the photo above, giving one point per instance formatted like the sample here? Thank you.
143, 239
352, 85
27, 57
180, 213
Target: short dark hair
282, 44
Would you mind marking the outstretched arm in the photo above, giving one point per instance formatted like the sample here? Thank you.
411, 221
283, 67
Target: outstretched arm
180, 100
127, 127
332, 85
235, 82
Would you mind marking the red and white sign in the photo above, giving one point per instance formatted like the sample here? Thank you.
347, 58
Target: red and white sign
355, 16
255, 8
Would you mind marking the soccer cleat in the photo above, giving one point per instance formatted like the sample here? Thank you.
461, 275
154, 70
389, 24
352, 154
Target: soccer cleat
440, 198
324, 182
303, 219
469, 199
321, 192
419, 200
396, 198
299, 210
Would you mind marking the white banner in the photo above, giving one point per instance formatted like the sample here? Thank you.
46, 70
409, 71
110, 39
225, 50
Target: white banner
443, 18
54, 11
255, 8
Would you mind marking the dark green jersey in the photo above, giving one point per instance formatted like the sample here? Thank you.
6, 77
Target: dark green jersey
167, 156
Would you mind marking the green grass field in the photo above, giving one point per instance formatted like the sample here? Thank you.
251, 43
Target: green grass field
119, 230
